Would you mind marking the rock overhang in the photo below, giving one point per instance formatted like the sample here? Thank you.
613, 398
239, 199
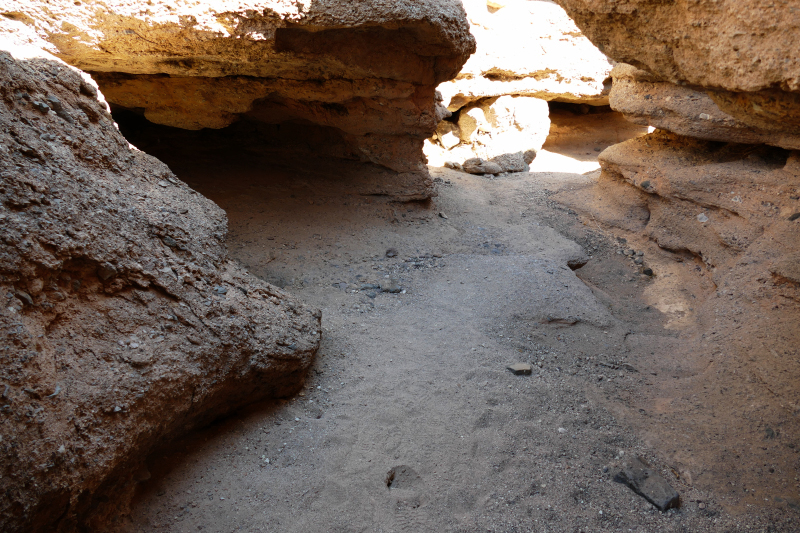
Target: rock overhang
368, 69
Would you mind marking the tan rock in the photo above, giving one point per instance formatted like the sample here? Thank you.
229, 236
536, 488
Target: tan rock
528, 49
709, 200
127, 323
368, 69
477, 165
646, 100
741, 50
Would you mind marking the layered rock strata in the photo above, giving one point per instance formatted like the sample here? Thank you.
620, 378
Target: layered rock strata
739, 53
366, 69
123, 321
647, 100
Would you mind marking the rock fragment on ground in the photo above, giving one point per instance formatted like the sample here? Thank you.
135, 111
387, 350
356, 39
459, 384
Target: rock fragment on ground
648, 484
520, 369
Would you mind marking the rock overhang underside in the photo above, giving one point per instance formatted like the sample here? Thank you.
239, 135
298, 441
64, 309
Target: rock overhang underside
367, 70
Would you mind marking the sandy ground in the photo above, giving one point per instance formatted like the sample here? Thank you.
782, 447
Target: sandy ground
415, 382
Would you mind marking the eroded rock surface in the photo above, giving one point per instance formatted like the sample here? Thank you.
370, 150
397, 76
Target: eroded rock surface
365, 69
528, 53
123, 320
738, 52
710, 200
647, 100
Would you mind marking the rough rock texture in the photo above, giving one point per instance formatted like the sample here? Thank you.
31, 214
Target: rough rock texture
123, 322
368, 69
645, 99
713, 201
740, 52
492, 128
648, 483
528, 49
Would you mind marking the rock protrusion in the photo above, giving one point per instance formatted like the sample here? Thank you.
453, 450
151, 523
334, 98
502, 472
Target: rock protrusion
123, 321
368, 70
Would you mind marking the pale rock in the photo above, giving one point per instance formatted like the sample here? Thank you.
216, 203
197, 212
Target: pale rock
479, 166
528, 49
511, 162
649, 101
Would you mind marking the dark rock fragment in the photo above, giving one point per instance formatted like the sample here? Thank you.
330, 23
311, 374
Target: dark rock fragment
648, 484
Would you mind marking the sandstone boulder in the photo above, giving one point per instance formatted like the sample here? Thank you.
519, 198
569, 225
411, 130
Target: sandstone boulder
528, 49
123, 321
367, 70
734, 50
645, 99
476, 165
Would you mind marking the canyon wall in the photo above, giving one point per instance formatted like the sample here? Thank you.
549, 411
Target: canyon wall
713, 196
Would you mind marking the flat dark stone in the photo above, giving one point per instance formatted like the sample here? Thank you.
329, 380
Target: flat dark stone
648, 484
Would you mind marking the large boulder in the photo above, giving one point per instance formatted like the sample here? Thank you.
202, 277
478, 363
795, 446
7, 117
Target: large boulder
123, 321
366, 70
739, 52
528, 49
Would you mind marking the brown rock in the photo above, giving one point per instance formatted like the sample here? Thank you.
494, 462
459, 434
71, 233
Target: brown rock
738, 51
712, 201
646, 100
648, 484
367, 69
733, 45
137, 325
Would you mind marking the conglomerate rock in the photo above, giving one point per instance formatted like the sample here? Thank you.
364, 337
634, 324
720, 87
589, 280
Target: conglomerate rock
366, 69
740, 52
122, 320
